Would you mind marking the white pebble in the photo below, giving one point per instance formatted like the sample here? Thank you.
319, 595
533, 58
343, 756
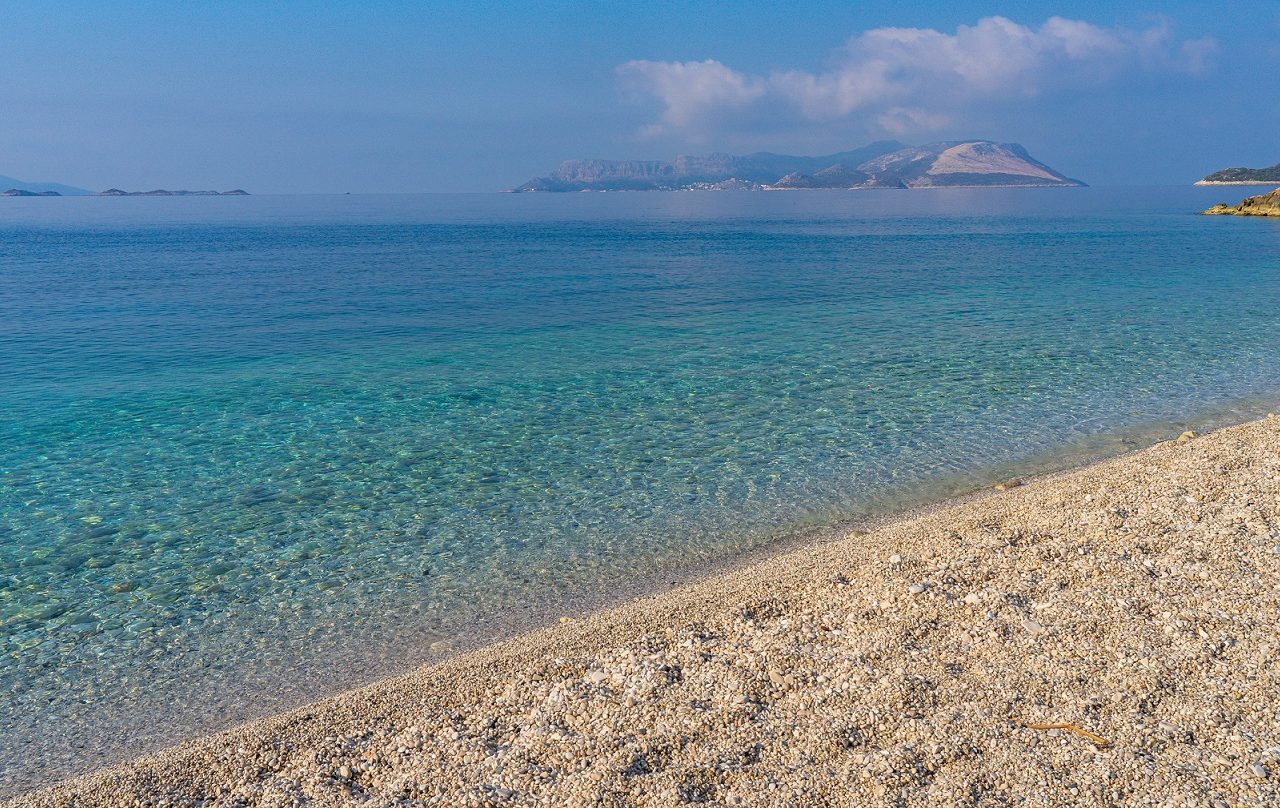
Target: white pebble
1032, 626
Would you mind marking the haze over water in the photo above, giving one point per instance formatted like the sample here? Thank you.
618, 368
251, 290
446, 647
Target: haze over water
256, 449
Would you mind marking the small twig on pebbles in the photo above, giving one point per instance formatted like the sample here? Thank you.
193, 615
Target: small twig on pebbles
1096, 740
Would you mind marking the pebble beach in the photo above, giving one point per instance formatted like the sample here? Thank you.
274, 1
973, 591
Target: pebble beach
1105, 636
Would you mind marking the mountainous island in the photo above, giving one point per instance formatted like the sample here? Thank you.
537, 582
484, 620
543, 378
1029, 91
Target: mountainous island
19, 188
1244, 176
1263, 205
162, 192
883, 164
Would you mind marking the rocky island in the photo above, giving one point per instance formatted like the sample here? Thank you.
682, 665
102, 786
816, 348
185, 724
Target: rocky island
162, 192
1262, 205
883, 164
25, 192
1244, 176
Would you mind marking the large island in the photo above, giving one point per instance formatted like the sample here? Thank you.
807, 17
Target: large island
883, 164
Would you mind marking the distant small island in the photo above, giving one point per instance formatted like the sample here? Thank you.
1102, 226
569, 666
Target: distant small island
1263, 205
1244, 176
883, 164
17, 187
162, 192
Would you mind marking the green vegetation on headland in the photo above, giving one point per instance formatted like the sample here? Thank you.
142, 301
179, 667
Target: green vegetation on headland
1263, 205
1243, 176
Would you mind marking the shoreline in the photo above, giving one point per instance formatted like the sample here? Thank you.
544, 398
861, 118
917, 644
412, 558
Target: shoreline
478, 681
324, 674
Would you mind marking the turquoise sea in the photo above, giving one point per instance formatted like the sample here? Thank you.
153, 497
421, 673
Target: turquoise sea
257, 449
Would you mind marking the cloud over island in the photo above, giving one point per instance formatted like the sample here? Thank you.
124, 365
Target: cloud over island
914, 79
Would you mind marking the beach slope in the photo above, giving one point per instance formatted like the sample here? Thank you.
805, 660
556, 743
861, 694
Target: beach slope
1134, 603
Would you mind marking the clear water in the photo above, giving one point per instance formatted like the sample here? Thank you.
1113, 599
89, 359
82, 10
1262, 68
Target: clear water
256, 449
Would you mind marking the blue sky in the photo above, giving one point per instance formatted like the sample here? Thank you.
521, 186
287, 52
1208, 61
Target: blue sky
478, 96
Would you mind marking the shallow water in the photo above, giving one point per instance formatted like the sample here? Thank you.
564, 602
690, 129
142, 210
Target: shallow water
255, 449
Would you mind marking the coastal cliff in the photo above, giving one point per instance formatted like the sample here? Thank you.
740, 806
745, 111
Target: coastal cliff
1262, 205
883, 164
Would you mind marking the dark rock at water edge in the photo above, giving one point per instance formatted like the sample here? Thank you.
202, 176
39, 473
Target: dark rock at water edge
1261, 205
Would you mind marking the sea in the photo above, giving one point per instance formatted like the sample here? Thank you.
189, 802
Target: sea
257, 450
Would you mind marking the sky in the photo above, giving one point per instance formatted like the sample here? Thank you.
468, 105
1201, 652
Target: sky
443, 96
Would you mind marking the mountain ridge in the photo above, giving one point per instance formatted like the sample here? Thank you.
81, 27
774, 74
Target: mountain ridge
42, 188
882, 164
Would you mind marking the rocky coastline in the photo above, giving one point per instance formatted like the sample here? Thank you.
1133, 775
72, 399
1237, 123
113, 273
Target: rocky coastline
1262, 205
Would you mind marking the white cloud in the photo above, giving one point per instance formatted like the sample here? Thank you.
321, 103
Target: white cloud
1196, 54
904, 78
691, 91
902, 120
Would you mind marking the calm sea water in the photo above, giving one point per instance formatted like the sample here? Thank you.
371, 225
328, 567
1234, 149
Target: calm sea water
256, 449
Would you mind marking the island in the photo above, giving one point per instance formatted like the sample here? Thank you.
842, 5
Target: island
883, 164
19, 187
1263, 205
162, 192
1244, 176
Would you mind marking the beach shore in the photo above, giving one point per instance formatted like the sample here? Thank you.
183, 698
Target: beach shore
1134, 604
